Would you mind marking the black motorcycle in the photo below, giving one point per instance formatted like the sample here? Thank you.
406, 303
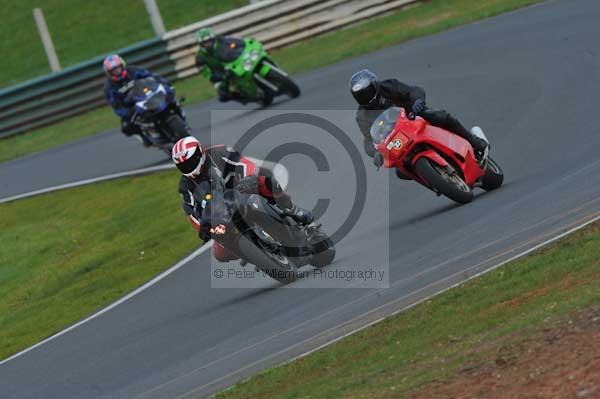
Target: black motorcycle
157, 112
261, 233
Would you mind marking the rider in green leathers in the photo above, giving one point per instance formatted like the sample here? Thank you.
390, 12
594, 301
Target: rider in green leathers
215, 51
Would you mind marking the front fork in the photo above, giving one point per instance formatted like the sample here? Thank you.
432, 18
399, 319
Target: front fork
268, 68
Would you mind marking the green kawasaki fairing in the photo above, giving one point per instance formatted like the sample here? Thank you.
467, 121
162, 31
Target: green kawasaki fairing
256, 76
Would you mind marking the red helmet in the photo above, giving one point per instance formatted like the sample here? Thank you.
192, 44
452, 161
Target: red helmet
115, 67
188, 156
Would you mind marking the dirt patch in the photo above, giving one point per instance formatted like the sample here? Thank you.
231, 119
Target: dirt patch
561, 361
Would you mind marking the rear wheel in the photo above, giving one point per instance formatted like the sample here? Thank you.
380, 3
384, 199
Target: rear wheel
494, 177
323, 248
445, 181
276, 266
267, 98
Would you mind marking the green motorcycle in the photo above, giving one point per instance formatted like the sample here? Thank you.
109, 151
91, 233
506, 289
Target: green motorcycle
254, 75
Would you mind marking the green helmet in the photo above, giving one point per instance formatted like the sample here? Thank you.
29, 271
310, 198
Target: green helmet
205, 37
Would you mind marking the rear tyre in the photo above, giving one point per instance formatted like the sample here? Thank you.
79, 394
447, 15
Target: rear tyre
275, 266
324, 250
267, 98
450, 185
494, 176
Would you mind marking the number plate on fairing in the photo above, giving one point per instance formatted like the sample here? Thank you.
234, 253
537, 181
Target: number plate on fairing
395, 144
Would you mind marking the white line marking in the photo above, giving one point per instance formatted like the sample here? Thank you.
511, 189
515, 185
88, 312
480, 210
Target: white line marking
135, 172
371, 323
513, 258
279, 171
147, 285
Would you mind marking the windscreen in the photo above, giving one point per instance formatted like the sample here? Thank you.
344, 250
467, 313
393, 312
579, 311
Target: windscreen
141, 88
384, 125
215, 206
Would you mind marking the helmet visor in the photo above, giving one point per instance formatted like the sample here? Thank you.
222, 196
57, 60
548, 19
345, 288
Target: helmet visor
364, 92
116, 71
207, 43
189, 165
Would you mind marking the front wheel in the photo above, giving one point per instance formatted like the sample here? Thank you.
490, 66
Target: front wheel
283, 81
276, 266
290, 88
494, 177
177, 128
444, 181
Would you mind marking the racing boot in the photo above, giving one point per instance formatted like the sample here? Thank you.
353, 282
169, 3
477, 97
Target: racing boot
480, 145
302, 216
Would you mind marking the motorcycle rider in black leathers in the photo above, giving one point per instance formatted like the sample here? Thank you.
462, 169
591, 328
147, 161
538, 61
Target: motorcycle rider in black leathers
220, 162
374, 96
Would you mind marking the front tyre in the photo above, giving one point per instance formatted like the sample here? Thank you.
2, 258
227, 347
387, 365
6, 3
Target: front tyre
290, 88
275, 266
177, 128
494, 176
443, 181
283, 81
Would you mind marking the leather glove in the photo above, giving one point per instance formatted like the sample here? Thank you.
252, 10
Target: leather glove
378, 160
418, 107
204, 232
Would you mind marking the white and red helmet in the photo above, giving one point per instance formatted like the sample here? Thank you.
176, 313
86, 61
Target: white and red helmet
188, 156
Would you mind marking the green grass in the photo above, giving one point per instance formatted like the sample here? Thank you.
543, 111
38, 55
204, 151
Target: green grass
424, 19
432, 341
69, 253
83, 29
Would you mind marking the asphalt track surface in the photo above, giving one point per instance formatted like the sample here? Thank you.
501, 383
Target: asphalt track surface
530, 78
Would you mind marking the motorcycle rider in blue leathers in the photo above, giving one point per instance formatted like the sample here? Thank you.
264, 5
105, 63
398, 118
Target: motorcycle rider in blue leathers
119, 77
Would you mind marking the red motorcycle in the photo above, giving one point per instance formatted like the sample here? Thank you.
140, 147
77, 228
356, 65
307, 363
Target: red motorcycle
442, 161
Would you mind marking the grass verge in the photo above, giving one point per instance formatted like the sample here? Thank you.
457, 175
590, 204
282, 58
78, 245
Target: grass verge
424, 19
436, 339
66, 254
82, 29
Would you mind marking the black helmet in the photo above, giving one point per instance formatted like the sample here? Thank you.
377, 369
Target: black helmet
364, 86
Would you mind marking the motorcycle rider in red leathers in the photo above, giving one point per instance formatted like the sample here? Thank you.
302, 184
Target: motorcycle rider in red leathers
220, 162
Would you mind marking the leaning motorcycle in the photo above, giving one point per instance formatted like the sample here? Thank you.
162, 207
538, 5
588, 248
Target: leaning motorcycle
157, 112
433, 157
256, 76
261, 233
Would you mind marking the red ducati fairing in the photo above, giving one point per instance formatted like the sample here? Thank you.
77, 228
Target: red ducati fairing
434, 157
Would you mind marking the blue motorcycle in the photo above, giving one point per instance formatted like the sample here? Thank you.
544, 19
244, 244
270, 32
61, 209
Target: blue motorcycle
157, 112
